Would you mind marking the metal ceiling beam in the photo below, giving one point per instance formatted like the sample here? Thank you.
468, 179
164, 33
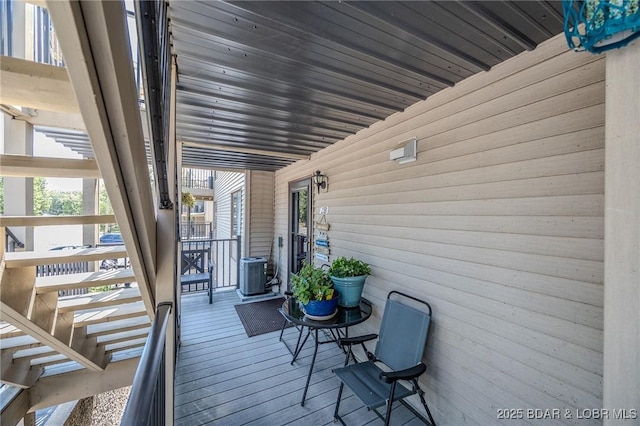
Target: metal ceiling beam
154, 47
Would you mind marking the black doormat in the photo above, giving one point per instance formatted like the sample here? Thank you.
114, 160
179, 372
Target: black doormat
261, 317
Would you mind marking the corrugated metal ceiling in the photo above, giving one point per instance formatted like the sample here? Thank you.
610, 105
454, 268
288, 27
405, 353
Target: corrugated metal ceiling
294, 77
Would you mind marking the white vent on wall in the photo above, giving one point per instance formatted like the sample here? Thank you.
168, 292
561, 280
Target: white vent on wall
406, 151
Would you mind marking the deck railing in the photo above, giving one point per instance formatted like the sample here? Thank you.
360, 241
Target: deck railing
224, 254
198, 178
146, 404
11, 241
64, 269
192, 231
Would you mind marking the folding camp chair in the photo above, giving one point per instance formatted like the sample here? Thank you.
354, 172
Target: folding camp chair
403, 336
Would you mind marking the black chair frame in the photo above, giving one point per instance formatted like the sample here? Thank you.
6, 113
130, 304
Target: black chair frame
388, 378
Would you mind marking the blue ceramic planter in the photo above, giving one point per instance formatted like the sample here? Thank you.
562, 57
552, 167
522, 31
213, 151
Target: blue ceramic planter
350, 289
321, 308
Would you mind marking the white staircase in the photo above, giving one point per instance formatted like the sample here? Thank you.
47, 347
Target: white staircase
43, 334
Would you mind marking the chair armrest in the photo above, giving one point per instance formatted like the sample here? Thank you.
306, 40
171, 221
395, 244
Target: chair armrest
406, 374
210, 267
345, 341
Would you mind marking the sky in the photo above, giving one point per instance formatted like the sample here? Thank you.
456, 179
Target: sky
48, 147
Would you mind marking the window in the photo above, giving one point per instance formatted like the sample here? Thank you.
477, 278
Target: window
236, 214
198, 207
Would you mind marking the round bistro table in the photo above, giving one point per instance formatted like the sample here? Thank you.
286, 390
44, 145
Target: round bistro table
339, 324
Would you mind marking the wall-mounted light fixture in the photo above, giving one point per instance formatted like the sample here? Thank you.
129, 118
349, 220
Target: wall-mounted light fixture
320, 180
405, 152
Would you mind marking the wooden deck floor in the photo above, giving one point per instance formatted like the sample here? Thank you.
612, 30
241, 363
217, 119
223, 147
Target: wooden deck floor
224, 377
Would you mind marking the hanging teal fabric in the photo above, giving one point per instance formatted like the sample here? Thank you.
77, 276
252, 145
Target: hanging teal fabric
600, 25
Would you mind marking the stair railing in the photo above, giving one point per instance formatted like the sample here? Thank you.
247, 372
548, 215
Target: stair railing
146, 405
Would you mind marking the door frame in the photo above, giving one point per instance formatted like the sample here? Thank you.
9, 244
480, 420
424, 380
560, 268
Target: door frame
297, 186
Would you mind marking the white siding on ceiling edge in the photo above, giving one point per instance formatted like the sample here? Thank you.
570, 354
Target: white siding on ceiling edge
498, 224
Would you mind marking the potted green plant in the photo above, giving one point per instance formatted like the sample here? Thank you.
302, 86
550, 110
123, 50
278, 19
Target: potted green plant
348, 276
313, 288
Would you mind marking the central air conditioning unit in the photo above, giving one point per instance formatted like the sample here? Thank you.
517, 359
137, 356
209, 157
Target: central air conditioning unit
253, 275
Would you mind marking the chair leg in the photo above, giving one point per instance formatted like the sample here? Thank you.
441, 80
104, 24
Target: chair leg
387, 417
336, 416
420, 393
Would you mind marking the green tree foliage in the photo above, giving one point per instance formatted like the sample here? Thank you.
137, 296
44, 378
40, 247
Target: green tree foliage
66, 203
105, 204
106, 208
56, 203
41, 197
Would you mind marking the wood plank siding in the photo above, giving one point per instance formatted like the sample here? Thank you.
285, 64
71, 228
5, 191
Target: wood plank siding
259, 213
226, 183
498, 224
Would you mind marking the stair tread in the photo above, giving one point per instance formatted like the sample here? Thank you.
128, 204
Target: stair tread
56, 220
37, 352
9, 330
123, 336
111, 313
83, 280
48, 360
18, 343
71, 366
118, 326
100, 299
17, 165
32, 258
129, 344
